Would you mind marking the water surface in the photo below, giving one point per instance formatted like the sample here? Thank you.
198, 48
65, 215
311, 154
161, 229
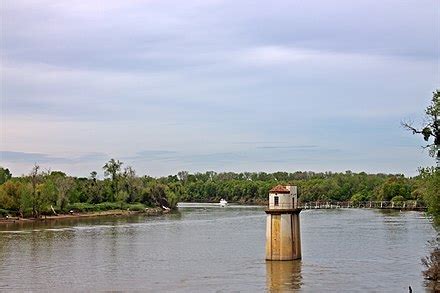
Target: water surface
205, 248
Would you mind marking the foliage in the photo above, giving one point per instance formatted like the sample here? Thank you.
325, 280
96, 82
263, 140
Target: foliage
136, 207
428, 185
395, 187
432, 265
10, 195
38, 192
5, 175
112, 168
104, 206
430, 177
358, 197
398, 198
431, 194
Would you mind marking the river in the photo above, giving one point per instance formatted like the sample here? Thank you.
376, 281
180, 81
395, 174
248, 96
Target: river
205, 248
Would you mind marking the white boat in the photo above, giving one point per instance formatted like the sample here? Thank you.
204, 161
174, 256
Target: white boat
223, 202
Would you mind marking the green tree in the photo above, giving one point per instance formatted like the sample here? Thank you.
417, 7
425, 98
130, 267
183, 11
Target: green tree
25, 199
431, 134
63, 186
431, 177
10, 195
394, 186
358, 197
131, 184
113, 168
121, 197
5, 175
156, 195
15, 196
94, 188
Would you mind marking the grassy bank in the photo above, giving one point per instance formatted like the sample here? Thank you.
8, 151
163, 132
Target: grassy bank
105, 206
84, 210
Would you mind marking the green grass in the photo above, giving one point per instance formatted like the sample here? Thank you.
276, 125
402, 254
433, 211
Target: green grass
136, 207
80, 207
104, 206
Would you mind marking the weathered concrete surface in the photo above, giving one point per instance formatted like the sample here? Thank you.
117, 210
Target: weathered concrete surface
286, 237
283, 240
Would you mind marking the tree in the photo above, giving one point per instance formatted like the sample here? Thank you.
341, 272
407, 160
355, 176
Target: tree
431, 129
432, 265
130, 184
16, 196
5, 175
10, 195
431, 177
113, 168
93, 187
156, 195
35, 178
431, 134
394, 187
63, 185
431, 180
183, 175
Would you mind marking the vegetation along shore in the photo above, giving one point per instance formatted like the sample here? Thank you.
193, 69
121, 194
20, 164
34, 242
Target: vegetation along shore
54, 193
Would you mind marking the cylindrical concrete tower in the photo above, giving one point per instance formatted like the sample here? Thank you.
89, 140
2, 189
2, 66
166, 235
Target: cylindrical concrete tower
283, 239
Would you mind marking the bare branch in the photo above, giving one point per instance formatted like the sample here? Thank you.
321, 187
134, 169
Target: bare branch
410, 127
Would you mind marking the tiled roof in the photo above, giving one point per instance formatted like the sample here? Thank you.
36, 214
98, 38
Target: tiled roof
279, 189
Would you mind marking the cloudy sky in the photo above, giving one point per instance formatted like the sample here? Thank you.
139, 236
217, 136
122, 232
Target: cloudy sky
216, 85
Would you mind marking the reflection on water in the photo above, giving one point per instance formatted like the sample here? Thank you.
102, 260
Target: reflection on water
283, 276
207, 249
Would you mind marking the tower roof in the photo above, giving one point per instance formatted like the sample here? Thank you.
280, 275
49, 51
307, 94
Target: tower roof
279, 189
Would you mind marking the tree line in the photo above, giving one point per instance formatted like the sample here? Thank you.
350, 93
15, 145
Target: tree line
47, 192
43, 192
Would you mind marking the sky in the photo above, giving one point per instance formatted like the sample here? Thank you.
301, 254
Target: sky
201, 85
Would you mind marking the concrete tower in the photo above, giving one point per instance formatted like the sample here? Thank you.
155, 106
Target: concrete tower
283, 241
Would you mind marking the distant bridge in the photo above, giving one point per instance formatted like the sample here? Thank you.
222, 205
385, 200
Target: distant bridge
411, 205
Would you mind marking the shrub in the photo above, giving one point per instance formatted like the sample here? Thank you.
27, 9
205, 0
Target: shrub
398, 198
4, 213
432, 265
358, 197
136, 207
105, 206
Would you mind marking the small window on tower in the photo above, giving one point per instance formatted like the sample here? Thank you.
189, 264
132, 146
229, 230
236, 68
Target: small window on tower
276, 200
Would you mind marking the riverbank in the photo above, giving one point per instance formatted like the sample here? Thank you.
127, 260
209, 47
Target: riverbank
112, 213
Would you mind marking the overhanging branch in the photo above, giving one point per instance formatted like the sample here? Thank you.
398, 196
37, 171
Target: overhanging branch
409, 127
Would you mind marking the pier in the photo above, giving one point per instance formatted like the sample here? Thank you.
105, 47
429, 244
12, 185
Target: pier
411, 205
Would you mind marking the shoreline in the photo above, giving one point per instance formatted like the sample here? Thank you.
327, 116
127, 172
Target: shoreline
114, 213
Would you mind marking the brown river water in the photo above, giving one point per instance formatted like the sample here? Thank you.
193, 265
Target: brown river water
206, 248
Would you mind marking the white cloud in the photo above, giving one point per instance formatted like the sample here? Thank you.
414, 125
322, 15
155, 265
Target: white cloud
276, 55
119, 77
